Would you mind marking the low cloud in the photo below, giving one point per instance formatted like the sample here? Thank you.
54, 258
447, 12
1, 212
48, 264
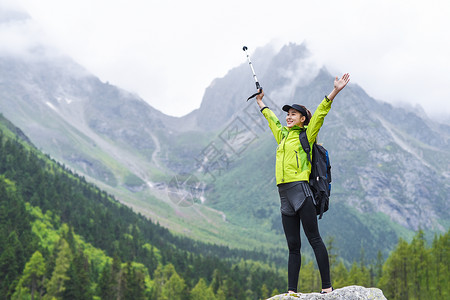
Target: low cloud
21, 36
395, 50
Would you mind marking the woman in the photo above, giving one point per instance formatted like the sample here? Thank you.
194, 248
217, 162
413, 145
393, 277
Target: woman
292, 175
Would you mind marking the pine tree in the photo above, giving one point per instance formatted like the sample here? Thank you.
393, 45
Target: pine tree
216, 280
331, 249
378, 268
56, 285
354, 274
440, 270
394, 281
116, 277
105, 285
78, 286
134, 283
264, 291
167, 283
340, 276
309, 279
10, 264
175, 287
418, 271
33, 275
275, 292
221, 293
159, 282
201, 291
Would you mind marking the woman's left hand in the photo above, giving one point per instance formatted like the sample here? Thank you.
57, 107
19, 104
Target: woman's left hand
339, 84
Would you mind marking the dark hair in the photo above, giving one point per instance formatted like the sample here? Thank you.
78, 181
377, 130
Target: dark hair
308, 116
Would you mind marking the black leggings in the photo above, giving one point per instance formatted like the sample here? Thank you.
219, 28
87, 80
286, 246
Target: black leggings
291, 226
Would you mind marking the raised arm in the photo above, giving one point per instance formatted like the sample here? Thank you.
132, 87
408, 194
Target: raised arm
324, 107
274, 124
339, 84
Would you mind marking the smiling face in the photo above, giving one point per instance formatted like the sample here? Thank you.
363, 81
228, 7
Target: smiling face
294, 117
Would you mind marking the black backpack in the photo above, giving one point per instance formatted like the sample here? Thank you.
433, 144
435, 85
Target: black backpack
320, 178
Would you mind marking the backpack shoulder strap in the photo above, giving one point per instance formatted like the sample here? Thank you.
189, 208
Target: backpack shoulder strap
305, 144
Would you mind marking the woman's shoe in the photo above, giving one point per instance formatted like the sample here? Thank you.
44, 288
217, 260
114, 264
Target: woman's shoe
323, 292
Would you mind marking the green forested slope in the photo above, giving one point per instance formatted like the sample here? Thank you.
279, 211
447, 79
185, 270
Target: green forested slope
75, 237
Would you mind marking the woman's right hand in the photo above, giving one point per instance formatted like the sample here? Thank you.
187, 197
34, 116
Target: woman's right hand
259, 99
260, 95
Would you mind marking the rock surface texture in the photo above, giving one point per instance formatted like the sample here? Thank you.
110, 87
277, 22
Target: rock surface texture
346, 293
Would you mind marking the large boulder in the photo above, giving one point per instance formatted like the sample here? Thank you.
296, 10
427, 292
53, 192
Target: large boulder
353, 292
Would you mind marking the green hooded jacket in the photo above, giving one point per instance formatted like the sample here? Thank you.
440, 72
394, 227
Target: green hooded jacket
291, 161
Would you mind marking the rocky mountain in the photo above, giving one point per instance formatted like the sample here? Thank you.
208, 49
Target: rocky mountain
386, 159
79, 119
210, 174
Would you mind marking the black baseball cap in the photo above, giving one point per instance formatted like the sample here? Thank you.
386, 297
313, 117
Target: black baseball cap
297, 107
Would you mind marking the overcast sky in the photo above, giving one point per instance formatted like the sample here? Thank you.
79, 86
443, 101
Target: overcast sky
168, 52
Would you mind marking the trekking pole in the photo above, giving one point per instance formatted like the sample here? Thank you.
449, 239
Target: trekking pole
258, 87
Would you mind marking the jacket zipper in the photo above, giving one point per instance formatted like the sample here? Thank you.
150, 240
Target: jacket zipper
284, 153
296, 157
